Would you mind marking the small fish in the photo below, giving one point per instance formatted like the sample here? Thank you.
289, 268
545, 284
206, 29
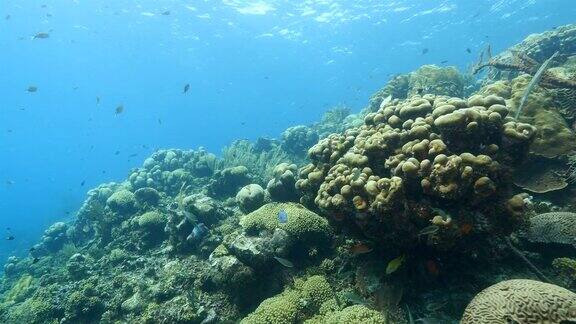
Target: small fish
386, 101
282, 216
360, 248
119, 109
420, 91
32, 89
159, 121
8, 229
117, 152
82, 183
7, 17
166, 13
284, 262
35, 260
395, 264
32, 249
133, 155
97, 100
469, 51
425, 51
9, 183
186, 88
444, 62
41, 35
10, 238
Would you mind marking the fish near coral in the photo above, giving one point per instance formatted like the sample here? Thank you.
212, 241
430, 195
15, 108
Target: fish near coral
395, 264
198, 233
360, 248
282, 216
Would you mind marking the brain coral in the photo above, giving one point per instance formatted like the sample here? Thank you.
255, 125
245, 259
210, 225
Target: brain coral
554, 227
413, 157
302, 224
522, 301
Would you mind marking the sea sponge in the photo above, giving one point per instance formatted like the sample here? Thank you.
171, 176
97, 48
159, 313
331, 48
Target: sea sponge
302, 224
521, 301
250, 197
553, 227
122, 202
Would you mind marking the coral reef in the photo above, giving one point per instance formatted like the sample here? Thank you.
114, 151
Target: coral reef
430, 79
403, 212
282, 186
520, 301
250, 198
411, 158
297, 139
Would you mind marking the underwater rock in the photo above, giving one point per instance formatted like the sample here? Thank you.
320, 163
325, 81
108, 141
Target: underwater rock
122, 202
250, 198
553, 227
258, 252
229, 273
521, 301
297, 139
282, 188
413, 156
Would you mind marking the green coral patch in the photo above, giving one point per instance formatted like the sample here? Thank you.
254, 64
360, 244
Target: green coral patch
303, 224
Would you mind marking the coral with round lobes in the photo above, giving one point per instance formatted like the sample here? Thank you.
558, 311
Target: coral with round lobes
522, 301
414, 156
281, 187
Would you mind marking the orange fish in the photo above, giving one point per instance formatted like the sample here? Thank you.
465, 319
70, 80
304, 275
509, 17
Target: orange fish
360, 248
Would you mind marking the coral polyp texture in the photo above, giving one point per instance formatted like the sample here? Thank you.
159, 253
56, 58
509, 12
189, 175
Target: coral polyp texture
522, 301
426, 161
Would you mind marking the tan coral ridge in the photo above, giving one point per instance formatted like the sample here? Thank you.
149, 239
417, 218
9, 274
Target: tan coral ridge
522, 301
416, 154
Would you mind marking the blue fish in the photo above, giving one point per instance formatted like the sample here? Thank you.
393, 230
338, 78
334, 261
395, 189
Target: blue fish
282, 216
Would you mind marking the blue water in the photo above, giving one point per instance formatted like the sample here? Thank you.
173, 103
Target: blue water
254, 69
